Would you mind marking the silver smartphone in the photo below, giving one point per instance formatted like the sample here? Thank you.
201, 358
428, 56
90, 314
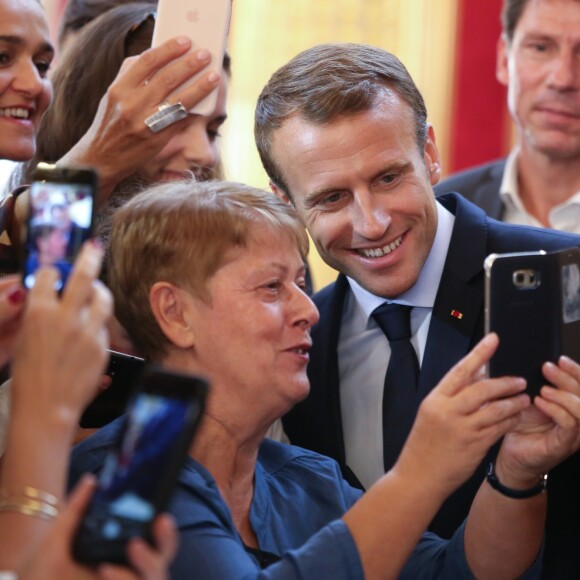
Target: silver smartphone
206, 23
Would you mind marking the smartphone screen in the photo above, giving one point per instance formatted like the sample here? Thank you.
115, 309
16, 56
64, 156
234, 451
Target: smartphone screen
140, 470
60, 220
569, 267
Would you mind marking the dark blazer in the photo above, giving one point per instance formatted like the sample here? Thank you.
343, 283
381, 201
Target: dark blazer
316, 423
480, 185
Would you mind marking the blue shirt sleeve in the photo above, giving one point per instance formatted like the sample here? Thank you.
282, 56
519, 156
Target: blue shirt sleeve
216, 555
436, 558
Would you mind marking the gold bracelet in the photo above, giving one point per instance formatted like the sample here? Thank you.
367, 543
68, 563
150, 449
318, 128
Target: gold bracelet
29, 507
31, 493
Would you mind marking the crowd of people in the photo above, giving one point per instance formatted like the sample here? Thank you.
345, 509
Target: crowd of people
404, 459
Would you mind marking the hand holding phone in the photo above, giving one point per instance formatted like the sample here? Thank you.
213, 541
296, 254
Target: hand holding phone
53, 558
141, 468
206, 23
60, 219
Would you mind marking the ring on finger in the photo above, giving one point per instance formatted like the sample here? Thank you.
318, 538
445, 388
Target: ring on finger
165, 115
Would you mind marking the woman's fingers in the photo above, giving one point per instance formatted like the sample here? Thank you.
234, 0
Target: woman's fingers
76, 505
160, 71
488, 392
144, 67
497, 411
152, 564
565, 375
79, 290
100, 309
469, 367
149, 563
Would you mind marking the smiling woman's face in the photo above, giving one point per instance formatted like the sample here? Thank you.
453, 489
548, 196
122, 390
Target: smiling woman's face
25, 91
254, 335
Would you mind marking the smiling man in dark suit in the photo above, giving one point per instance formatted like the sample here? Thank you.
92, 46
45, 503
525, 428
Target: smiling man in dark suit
342, 132
538, 59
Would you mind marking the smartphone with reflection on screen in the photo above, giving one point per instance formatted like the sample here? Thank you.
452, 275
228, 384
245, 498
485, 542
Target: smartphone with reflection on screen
142, 466
60, 219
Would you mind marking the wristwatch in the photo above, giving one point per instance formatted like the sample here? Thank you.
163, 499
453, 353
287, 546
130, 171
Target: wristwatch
515, 493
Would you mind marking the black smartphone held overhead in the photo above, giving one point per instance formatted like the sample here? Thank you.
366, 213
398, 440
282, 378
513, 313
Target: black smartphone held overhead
141, 468
60, 219
123, 370
532, 301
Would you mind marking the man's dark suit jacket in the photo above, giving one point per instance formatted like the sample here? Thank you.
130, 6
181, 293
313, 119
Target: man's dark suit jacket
316, 422
480, 185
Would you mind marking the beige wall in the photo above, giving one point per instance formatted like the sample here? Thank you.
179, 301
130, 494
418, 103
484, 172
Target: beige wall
267, 33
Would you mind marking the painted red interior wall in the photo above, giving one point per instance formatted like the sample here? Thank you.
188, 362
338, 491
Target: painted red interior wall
480, 123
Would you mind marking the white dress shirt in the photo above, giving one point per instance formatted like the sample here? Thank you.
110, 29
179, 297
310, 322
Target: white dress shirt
565, 217
364, 352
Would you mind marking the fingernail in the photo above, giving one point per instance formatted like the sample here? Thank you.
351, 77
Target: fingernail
183, 40
16, 296
96, 243
202, 54
213, 78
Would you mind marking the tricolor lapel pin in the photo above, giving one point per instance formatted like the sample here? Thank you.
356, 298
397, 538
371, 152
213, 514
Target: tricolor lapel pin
456, 314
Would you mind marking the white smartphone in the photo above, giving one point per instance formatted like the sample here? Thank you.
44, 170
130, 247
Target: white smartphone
206, 23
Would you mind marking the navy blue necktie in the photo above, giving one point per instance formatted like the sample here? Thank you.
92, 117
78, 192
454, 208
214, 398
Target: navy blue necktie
400, 400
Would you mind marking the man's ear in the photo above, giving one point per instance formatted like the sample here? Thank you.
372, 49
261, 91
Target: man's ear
280, 193
432, 157
501, 63
170, 306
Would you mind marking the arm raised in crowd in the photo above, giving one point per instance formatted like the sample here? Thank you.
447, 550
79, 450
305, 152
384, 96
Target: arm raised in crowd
455, 426
53, 558
118, 143
59, 357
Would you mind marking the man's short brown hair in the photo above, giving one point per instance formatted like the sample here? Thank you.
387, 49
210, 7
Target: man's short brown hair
326, 81
180, 232
510, 16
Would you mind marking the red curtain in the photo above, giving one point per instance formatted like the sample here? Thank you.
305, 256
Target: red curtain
480, 126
